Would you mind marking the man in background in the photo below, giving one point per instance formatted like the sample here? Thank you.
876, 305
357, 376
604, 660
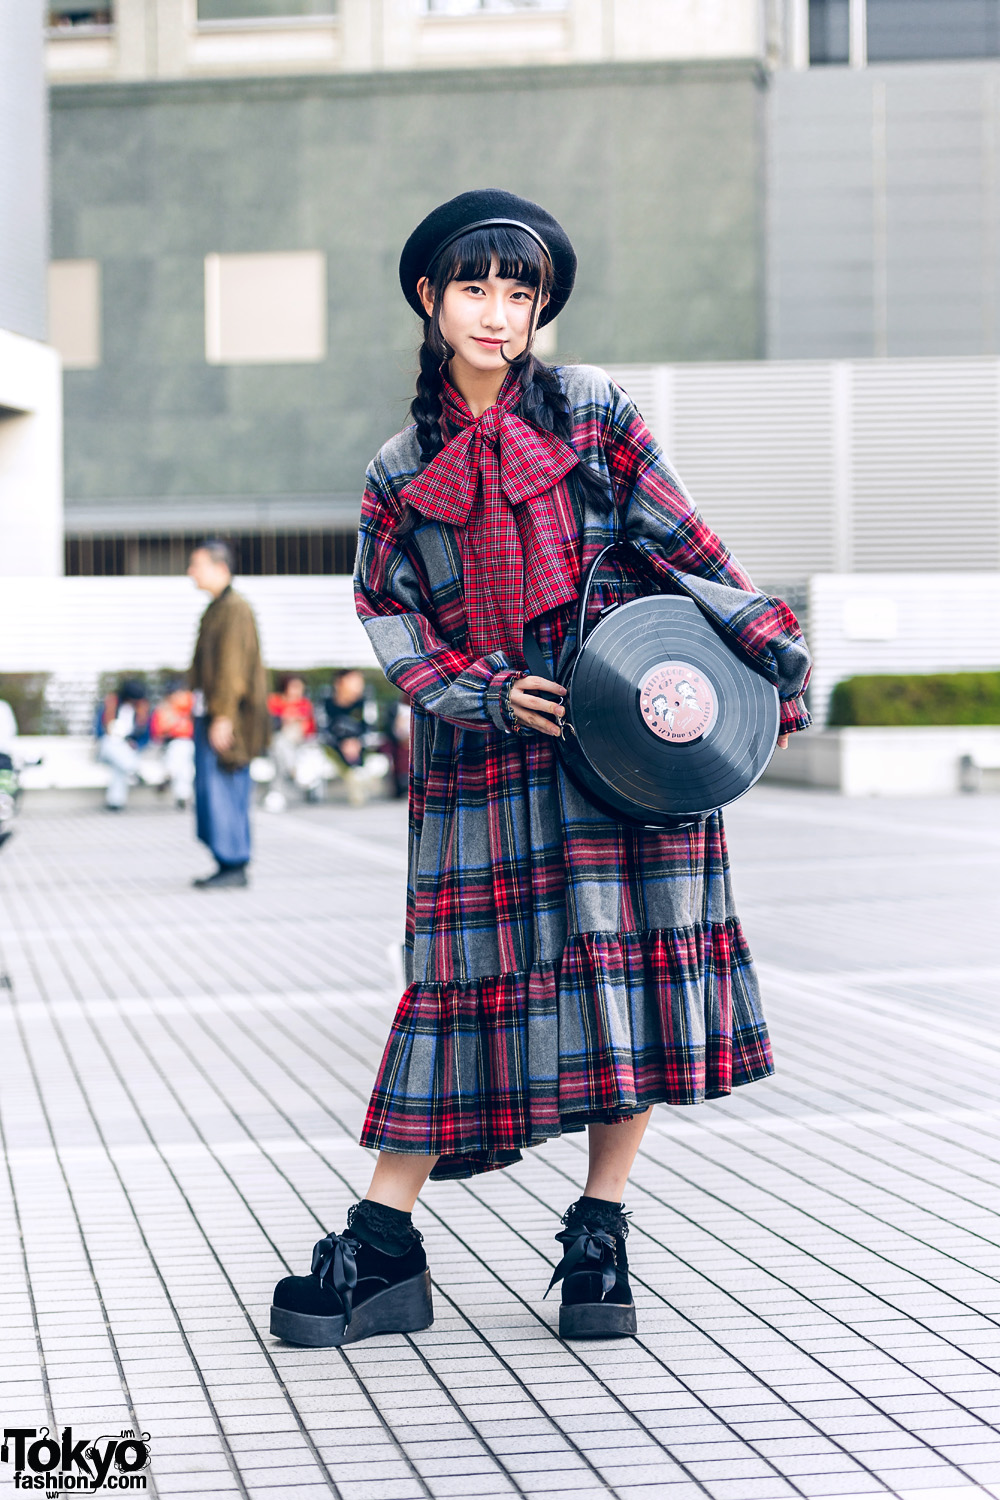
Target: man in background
231, 723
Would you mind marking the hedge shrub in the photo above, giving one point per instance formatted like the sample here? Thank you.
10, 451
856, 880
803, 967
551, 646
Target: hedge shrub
917, 699
25, 692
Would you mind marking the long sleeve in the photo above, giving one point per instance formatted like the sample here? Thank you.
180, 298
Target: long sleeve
439, 677
660, 517
229, 680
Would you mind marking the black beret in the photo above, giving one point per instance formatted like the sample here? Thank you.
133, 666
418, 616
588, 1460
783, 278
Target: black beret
479, 210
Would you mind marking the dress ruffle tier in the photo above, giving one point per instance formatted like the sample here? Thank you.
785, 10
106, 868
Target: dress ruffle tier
479, 1072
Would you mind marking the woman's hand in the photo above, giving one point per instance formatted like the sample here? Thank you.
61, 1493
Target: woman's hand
782, 741
536, 712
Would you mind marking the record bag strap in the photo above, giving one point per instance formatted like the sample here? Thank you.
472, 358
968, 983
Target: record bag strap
588, 587
532, 651
536, 662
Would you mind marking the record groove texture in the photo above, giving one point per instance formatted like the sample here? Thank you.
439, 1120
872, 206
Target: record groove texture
645, 722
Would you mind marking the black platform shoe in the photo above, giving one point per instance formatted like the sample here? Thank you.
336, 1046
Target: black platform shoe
596, 1296
371, 1279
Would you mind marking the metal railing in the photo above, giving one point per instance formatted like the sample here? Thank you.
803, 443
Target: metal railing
258, 553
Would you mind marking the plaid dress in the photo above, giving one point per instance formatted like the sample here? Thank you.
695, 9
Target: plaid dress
562, 968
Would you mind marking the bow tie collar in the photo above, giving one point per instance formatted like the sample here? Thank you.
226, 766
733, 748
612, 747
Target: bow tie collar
500, 480
497, 447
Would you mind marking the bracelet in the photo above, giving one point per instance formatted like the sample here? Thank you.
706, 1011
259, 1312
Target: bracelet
513, 723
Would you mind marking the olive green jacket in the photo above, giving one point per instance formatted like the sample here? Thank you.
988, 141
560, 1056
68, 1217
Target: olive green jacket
228, 669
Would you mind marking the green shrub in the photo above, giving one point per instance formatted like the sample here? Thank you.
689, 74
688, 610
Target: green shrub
25, 692
159, 682
318, 680
917, 699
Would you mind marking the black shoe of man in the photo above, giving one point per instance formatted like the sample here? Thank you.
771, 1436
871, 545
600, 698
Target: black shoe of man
226, 877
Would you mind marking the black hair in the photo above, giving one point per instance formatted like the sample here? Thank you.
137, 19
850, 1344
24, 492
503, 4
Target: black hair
518, 257
218, 550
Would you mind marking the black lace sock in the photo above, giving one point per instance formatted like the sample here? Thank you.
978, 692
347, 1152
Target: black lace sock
378, 1249
602, 1226
387, 1229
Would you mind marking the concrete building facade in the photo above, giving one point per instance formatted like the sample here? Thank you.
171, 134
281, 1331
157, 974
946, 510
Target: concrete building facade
125, 40
153, 181
883, 211
745, 180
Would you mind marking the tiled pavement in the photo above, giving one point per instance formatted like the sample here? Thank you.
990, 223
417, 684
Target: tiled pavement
816, 1259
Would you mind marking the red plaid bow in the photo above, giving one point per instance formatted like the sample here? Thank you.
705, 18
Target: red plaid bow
501, 480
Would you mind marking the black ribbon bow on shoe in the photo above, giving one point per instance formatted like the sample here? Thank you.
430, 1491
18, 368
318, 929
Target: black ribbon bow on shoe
333, 1261
586, 1252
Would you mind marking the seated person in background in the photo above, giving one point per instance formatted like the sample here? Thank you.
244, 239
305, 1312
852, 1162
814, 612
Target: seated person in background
349, 729
399, 744
290, 708
8, 728
293, 722
122, 729
173, 727
347, 715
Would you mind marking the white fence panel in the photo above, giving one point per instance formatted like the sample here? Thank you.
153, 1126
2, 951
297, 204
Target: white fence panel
925, 463
78, 627
841, 465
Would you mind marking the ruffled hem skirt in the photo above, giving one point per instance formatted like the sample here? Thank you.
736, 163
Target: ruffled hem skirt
476, 1072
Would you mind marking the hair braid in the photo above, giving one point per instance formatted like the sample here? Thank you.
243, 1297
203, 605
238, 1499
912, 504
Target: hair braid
542, 399
425, 408
544, 403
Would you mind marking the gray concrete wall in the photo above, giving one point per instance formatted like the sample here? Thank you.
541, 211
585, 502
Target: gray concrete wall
654, 170
23, 169
883, 211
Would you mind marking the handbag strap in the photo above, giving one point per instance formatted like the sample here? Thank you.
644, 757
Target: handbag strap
537, 665
532, 651
588, 588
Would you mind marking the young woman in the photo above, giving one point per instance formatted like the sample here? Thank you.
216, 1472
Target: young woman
565, 969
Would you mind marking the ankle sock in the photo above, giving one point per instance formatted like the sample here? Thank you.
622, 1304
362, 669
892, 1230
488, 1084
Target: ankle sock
387, 1229
599, 1213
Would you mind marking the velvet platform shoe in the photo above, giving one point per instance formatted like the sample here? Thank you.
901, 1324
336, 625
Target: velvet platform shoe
596, 1296
371, 1279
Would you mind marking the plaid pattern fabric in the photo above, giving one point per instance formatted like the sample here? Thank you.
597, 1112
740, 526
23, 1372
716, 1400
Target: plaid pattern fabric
498, 479
562, 967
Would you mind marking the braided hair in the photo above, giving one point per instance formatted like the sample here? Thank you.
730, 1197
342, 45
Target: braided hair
514, 255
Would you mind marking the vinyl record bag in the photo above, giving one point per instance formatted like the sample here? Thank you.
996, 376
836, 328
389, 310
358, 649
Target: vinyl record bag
664, 722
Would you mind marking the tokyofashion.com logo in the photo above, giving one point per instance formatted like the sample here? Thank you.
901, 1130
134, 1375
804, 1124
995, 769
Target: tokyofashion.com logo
60, 1466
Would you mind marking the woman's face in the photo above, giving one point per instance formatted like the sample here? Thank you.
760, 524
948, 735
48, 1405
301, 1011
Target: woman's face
485, 321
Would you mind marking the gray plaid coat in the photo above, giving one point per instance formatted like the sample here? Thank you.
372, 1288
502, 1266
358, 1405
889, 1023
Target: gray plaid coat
563, 967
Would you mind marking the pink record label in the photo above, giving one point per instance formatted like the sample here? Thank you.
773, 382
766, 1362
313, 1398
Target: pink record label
676, 702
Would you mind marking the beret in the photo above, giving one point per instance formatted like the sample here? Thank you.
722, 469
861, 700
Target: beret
481, 209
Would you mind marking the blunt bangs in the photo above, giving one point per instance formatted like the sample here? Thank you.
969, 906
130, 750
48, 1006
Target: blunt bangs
519, 257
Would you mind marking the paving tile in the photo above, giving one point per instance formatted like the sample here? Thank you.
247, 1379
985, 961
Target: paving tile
811, 1257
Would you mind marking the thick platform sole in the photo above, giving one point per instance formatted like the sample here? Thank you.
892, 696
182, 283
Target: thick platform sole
597, 1320
405, 1308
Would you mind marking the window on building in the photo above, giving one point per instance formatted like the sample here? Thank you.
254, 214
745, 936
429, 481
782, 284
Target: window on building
146, 554
829, 31
64, 15
265, 309
75, 312
476, 7
262, 10
909, 30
